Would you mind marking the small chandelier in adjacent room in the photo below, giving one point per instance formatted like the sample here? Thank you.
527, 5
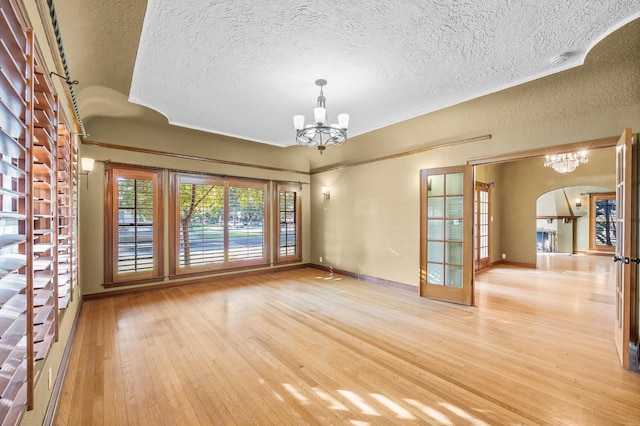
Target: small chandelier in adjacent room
566, 163
321, 135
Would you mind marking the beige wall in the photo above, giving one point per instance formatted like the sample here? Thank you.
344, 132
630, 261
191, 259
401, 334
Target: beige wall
371, 225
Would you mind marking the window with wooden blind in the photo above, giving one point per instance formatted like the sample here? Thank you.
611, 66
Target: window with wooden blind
15, 229
45, 214
65, 216
73, 236
217, 223
33, 214
288, 228
133, 224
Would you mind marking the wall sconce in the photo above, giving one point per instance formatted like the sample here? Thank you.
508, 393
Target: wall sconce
326, 193
578, 202
86, 164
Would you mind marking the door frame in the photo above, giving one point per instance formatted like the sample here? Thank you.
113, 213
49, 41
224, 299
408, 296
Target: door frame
608, 142
479, 263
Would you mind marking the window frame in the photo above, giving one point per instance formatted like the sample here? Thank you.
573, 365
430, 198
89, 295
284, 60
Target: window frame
482, 225
176, 178
297, 256
113, 173
593, 199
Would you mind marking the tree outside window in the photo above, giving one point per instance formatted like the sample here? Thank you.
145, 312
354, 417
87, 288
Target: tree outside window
220, 223
602, 215
216, 223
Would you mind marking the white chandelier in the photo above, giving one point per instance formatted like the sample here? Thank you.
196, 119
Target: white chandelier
566, 163
321, 135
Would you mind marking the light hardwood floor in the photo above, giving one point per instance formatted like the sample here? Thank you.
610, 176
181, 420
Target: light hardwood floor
303, 347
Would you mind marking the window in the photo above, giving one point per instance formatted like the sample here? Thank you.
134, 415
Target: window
133, 228
288, 246
602, 220
217, 223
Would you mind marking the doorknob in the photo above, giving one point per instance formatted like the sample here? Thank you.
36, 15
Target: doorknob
625, 259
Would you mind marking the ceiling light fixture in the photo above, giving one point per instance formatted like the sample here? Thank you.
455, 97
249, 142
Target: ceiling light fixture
566, 163
321, 135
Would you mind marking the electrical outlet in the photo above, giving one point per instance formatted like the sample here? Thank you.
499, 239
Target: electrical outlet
320, 259
50, 378
504, 255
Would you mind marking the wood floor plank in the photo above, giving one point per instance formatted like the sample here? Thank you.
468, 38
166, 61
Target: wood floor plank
308, 347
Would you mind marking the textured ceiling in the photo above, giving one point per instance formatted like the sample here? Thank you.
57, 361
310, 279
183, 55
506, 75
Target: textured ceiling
243, 68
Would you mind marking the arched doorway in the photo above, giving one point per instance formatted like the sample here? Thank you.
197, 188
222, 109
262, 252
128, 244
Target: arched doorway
566, 221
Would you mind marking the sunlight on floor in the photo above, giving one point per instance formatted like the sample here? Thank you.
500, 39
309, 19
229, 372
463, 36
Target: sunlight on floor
297, 395
330, 278
359, 402
463, 414
431, 412
382, 406
335, 404
401, 413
